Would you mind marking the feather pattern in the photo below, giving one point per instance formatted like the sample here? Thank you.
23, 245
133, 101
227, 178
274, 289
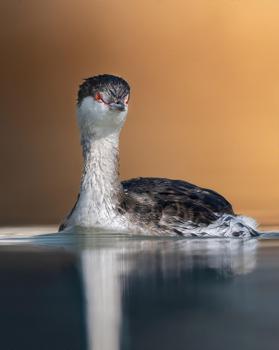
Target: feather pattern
155, 206
175, 207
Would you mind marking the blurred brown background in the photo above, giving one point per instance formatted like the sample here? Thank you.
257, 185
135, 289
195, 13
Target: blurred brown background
204, 106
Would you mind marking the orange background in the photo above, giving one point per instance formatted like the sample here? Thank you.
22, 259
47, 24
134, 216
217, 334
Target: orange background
204, 105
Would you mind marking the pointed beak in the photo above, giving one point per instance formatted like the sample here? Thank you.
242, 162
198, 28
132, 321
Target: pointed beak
120, 106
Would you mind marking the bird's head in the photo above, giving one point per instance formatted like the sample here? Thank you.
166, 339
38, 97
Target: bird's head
102, 105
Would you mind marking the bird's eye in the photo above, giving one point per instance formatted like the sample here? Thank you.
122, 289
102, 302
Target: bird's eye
98, 97
126, 101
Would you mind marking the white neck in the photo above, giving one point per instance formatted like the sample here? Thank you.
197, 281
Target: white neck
100, 189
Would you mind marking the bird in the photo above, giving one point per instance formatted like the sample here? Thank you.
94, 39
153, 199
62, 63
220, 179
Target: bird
144, 205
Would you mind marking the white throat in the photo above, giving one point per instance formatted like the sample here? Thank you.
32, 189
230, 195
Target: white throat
97, 120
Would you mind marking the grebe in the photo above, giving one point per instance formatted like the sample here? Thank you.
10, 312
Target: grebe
154, 206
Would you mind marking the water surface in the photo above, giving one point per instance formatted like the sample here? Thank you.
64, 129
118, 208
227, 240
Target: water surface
108, 291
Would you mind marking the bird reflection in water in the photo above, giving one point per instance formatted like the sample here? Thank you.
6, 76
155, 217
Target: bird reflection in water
155, 273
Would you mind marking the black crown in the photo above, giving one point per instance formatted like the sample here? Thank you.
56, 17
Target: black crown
111, 84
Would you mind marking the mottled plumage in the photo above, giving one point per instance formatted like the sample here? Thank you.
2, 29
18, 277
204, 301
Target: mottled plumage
155, 206
174, 198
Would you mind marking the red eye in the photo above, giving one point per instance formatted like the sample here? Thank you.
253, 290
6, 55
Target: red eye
127, 99
98, 97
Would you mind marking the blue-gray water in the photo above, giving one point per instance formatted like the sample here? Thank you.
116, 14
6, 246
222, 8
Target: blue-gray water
106, 291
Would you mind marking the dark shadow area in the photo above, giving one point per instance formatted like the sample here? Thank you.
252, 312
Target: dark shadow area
41, 300
201, 304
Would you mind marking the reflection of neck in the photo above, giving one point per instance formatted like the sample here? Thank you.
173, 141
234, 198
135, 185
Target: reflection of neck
100, 189
103, 291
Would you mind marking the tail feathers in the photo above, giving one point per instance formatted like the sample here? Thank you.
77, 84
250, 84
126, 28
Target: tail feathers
252, 225
237, 226
226, 226
247, 224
